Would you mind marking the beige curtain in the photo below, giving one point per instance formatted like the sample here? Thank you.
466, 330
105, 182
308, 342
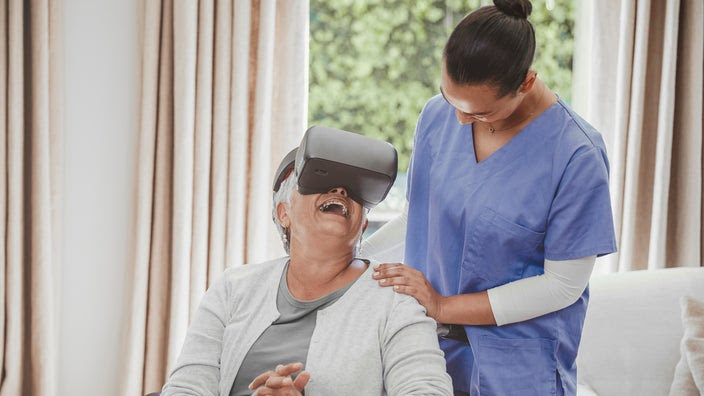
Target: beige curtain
223, 97
30, 200
638, 78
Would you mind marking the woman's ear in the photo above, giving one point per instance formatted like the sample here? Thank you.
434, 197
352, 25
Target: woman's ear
282, 214
529, 81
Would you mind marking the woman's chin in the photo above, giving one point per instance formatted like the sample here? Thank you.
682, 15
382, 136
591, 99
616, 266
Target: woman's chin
337, 224
332, 236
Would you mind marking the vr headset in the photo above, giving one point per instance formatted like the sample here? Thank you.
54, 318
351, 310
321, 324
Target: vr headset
328, 158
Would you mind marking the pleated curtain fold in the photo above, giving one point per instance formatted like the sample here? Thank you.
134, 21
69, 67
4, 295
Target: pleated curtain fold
223, 97
31, 100
638, 78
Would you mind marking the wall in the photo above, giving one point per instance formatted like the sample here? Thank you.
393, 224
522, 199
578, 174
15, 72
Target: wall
100, 66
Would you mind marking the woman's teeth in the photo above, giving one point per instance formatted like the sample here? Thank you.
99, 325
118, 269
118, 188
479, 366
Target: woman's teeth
335, 207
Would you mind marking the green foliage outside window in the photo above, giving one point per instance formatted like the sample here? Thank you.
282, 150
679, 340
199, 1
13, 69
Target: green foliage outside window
374, 63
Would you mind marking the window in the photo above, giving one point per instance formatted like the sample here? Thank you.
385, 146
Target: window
373, 64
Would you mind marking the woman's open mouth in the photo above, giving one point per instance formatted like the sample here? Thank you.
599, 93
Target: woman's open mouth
334, 206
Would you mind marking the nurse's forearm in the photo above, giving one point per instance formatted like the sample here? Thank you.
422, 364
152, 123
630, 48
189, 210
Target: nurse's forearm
466, 309
560, 286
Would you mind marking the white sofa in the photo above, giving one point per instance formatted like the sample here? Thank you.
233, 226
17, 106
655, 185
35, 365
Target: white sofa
632, 332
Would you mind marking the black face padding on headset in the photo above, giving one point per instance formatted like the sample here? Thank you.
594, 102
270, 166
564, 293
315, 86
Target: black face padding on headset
328, 158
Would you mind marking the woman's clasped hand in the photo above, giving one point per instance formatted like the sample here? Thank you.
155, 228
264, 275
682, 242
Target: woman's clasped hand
279, 382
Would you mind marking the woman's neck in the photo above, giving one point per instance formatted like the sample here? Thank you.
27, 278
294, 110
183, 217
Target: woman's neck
538, 99
315, 272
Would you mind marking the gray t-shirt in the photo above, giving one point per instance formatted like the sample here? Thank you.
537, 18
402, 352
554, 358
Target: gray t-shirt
287, 339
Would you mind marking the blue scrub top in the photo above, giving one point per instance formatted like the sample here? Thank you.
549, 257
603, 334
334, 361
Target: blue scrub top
476, 225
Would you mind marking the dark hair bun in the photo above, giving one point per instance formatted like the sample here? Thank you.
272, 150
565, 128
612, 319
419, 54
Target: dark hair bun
515, 8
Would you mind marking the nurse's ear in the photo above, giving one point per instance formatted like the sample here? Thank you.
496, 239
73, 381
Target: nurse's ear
529, 82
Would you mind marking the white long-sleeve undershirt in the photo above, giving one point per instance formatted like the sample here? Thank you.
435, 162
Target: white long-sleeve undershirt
560, 286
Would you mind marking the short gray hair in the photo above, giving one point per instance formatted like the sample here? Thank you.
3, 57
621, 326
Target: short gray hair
284, 195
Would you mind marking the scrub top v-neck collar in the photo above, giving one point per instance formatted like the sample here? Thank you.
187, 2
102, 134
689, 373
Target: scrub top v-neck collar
511, 150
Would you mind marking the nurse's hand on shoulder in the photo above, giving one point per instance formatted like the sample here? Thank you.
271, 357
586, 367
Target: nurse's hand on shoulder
279, 382
412, 282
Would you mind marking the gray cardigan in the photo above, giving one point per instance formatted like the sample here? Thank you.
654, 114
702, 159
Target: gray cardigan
372, 341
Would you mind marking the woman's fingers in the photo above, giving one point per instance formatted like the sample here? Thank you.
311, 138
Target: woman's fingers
275, 382
279, 378
388, 271
412, 282
276, 385
288, 369
404, 279
301, 380
397, 274
261, 379
264, 391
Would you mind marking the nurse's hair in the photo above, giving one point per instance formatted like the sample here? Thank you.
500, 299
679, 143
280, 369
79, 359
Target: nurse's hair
492, 45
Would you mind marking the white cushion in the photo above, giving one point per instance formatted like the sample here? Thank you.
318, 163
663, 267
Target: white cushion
583, 390
632, 332
689, 373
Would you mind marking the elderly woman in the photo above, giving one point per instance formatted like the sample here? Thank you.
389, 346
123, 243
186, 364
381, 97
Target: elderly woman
318, 309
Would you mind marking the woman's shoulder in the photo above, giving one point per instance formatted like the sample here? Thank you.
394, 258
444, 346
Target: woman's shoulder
577, 134
436, 111
239, 273
435, 103
368, 288
564, 137
435, 107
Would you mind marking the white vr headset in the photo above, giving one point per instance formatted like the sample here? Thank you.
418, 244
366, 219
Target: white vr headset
328, 158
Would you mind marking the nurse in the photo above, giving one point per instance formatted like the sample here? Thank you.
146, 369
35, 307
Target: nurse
508, 208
